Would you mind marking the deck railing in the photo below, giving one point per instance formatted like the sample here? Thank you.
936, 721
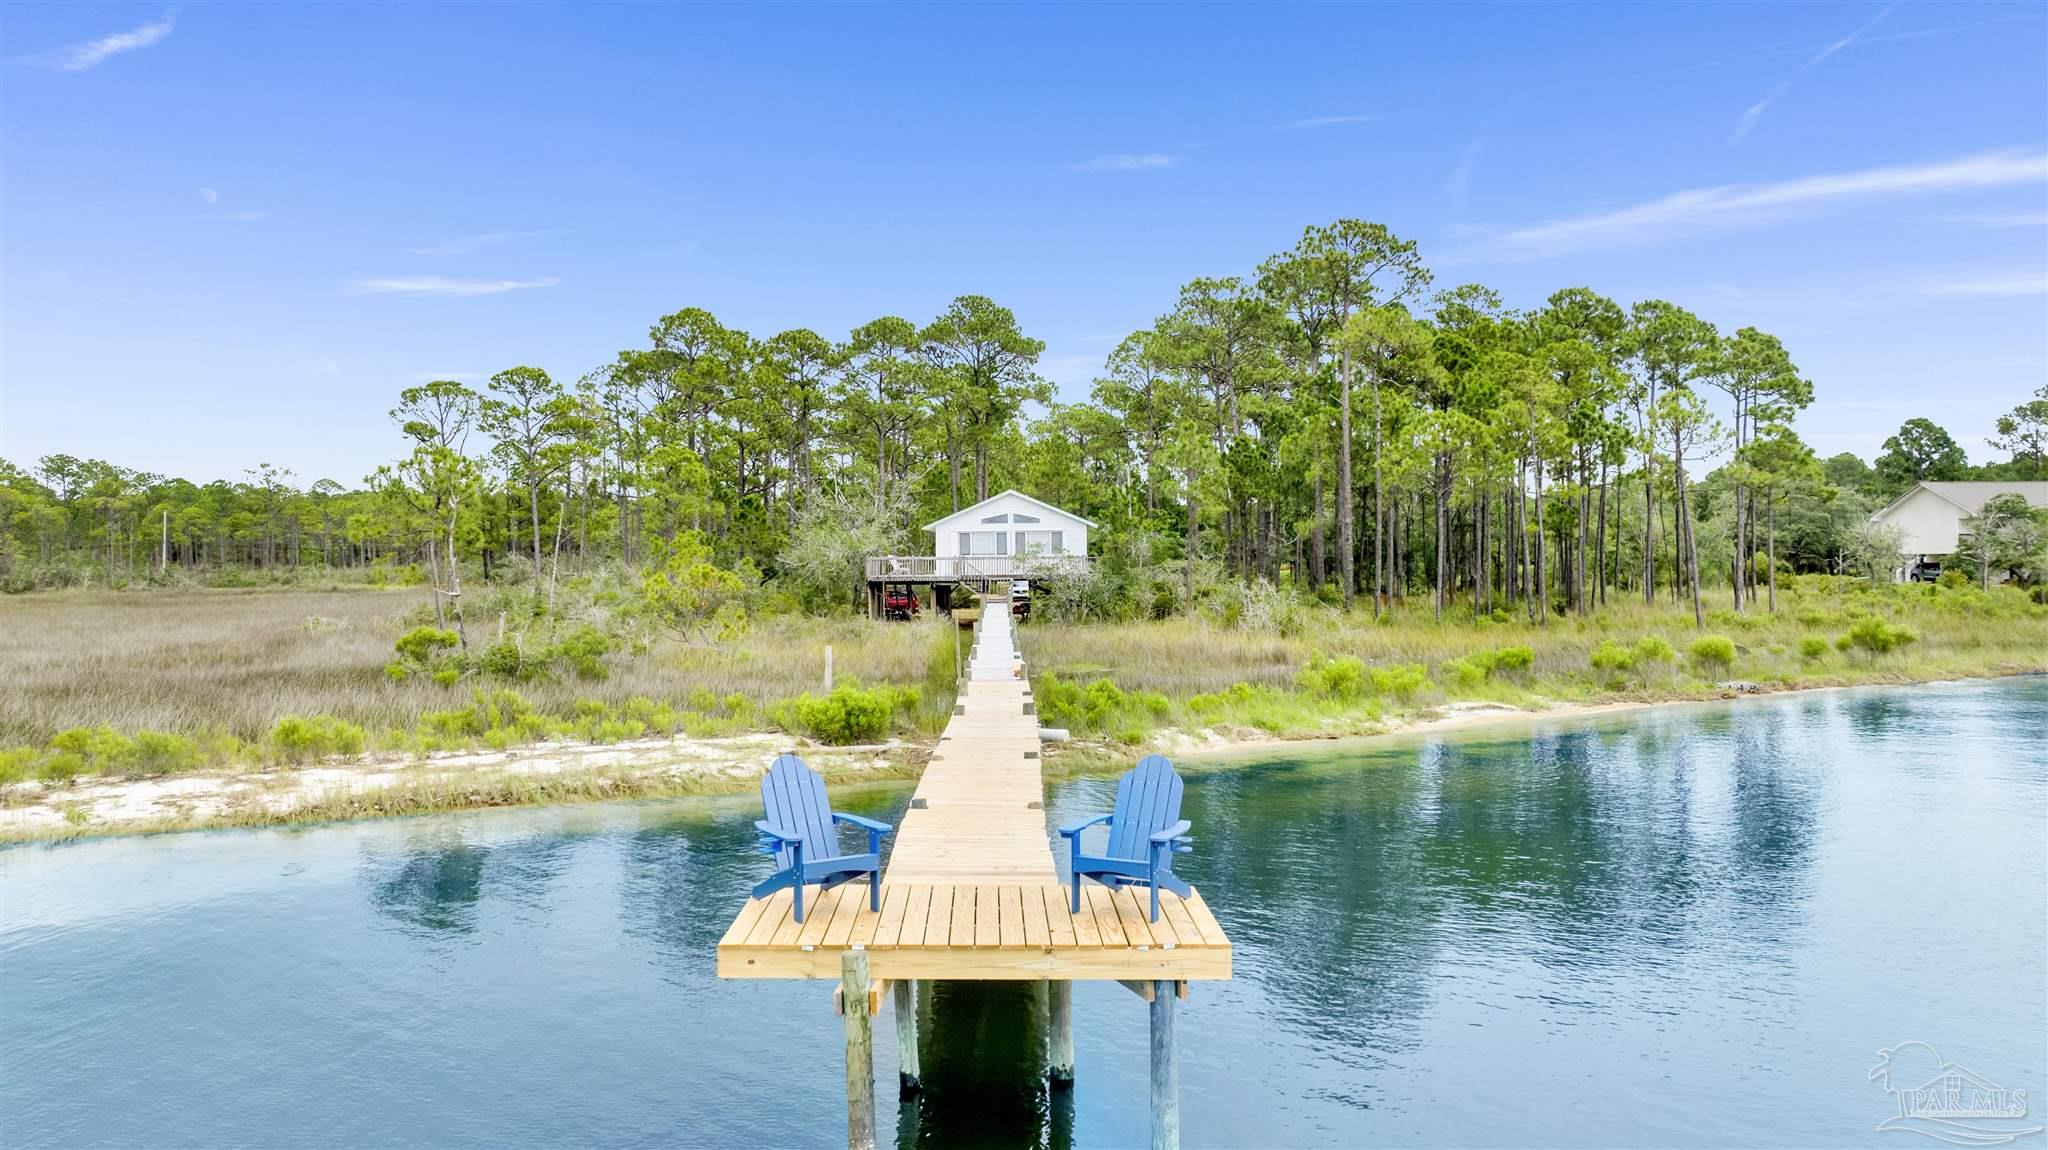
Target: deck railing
971, 568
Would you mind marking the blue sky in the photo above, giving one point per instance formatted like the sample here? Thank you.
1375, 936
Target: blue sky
230, 234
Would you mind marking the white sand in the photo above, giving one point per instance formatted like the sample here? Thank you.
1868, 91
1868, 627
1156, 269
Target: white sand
37, 807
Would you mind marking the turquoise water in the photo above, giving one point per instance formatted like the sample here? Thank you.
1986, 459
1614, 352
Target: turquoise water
1689, 927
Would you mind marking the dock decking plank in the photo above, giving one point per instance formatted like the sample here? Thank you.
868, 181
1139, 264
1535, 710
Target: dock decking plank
988, 930
963, 917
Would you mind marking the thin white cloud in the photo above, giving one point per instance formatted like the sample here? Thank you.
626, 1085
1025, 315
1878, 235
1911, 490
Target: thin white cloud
209, 195
1700, 210
1462, 174
1755, 112
1127, 162
1330, 121
422, 286
2010, 286
2001, 220
457, 247
431, 376
323, 365
92, 54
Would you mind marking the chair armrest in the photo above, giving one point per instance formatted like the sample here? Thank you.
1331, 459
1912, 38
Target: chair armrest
1073, 829
1171, 833
866, 824
775, 832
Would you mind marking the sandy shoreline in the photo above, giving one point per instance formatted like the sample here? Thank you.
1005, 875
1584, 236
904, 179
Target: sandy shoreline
563, 772
1221, 745
36, 810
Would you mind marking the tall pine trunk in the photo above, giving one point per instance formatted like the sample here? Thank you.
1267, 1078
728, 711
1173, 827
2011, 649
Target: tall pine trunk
1346, 547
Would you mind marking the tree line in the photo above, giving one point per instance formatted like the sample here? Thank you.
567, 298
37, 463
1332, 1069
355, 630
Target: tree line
1331, 422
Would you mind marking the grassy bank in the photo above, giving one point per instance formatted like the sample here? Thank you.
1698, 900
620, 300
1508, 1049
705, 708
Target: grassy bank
1333, 674
235, 708
111, 684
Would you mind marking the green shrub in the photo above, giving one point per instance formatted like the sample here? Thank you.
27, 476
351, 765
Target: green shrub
101, 749
157, 753
1399, 680
1479, 666
1612, 656
420, 645
1813, 647
1341, 678
1875, 637
1736, 620
1952, 579
851, 713
298, 739
1460, 673
19, 763
1510, 659
652, 715
507, 659
1713, 652
1654, 649
585, 649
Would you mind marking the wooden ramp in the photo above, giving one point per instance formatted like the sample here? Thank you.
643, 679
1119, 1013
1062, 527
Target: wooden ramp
971, 890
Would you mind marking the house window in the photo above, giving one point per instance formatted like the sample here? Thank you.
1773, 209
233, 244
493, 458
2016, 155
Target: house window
1040, 542
984, 543
997, 519
1020, 517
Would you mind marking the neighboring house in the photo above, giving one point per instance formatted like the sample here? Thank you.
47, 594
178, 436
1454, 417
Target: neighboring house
1933, 516
1012, 525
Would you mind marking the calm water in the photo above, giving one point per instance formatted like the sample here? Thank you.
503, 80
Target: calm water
1694, 927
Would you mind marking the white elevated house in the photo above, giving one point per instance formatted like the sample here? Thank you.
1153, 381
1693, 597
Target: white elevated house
1933, 515
1009, 536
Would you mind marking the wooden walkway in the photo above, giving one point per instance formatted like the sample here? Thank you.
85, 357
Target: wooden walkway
971, 890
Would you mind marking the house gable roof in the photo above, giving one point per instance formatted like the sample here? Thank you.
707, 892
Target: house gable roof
934, 524
1969, 496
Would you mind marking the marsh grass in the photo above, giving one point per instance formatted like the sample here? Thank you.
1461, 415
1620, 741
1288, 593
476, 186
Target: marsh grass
226, 667
1191, 674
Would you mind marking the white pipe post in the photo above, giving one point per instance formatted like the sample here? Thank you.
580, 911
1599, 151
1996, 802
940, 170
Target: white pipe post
860, 1051
1060, 1020
1165, 1070
909, 1076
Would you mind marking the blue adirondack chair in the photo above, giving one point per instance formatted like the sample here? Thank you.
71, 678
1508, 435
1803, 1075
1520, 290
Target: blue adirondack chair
1145, 832
800, 832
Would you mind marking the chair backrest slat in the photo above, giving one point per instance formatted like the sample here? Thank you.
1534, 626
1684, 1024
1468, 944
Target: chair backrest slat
1147, 800
794, 796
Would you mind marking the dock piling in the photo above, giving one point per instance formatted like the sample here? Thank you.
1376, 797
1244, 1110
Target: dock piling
909, 1077
1060, 1028
860, 1052
1165, 1069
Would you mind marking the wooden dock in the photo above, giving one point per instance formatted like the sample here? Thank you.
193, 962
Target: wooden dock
971, 891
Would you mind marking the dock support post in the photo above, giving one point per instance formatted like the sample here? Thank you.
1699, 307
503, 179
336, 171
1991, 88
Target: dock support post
860, 1052
909, 1077
1165, 1070
1060, 1025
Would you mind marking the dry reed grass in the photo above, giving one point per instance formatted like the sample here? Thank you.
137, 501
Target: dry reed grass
190, 662
1181, 658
